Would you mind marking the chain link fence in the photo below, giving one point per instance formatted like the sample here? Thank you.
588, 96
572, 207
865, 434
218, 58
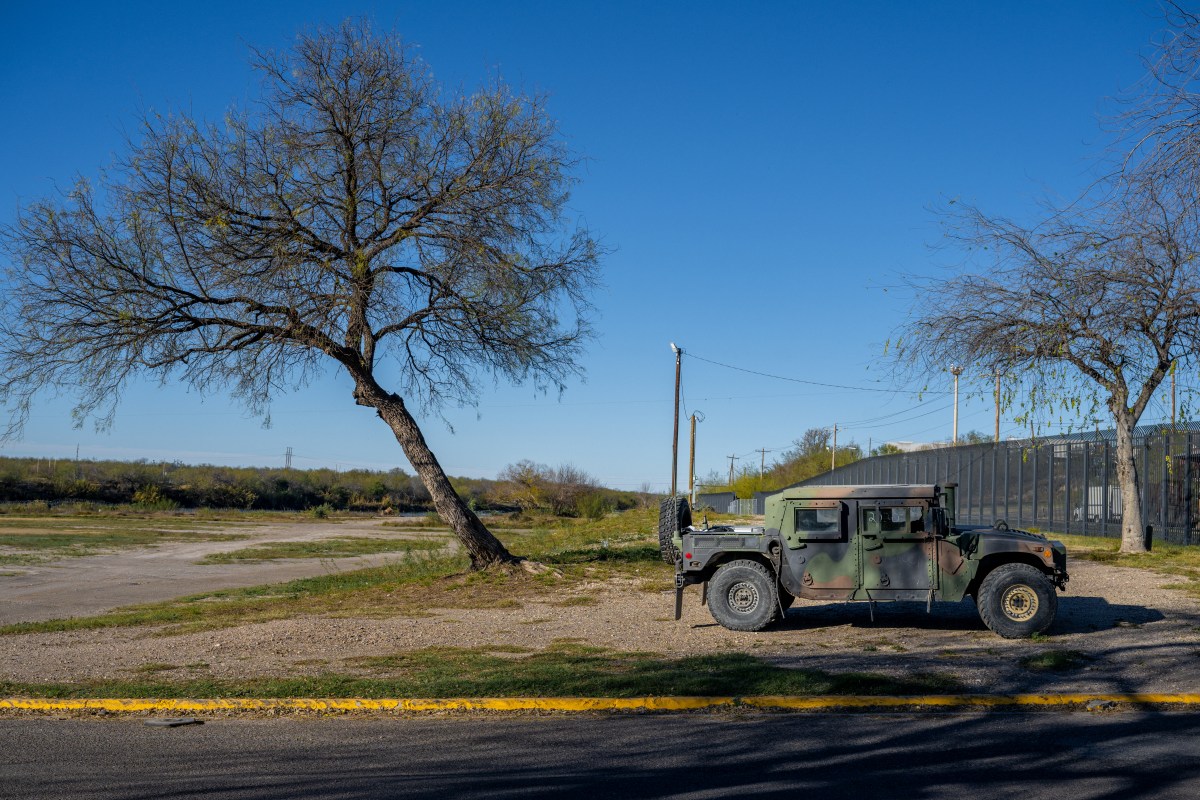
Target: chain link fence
1066, 484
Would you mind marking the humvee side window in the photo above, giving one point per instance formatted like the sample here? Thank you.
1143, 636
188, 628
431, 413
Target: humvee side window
819, 524
901, 519
893, 519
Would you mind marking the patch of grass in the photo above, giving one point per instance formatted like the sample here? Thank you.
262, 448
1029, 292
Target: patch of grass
321, 512
153, 668
578, 600
25, 541
561, 670
423, 580
1165, 559
1054, 661
323, 548
404, 587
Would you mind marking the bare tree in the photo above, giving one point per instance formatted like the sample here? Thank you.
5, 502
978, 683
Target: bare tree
1160, 128
356, 217
1092, 303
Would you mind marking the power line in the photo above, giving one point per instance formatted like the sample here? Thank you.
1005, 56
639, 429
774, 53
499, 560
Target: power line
868, 421
894, 422
690, 354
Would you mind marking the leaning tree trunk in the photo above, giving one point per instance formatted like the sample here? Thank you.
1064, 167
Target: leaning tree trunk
483, 548
1133, 539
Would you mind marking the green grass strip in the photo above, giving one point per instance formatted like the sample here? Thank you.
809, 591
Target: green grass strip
563, 670
323, 548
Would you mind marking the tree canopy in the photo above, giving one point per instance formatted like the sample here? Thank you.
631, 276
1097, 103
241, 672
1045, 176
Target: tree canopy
357, 216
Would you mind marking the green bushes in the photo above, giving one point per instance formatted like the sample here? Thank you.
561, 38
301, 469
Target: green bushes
565, 491
151, 498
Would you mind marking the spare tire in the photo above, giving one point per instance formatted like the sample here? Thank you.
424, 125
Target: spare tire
673, 515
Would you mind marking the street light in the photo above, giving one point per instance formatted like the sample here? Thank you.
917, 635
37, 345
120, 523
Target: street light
697, 416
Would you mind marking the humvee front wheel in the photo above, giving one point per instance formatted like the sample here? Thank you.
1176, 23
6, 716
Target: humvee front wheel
742, 596
1017, 600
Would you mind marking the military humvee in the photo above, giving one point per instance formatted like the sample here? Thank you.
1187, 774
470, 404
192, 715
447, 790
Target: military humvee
867, 543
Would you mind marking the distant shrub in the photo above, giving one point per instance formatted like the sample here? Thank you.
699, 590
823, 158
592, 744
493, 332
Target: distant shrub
322, 511
593, 505
151, 498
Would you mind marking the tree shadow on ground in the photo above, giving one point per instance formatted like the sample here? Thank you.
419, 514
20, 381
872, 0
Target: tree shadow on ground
1028, 756
1075, 615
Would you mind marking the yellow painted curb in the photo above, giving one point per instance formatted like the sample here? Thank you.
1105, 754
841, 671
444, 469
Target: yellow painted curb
577, 704
361, 704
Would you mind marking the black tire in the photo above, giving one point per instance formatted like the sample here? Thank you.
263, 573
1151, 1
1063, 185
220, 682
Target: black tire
1017, 601
673, 515
742, 596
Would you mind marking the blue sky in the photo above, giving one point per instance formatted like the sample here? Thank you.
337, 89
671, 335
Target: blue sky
762, 172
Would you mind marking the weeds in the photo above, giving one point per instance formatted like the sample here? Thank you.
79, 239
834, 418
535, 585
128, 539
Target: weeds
1055, 661
564, 669
323, 548
25, 541
424, 579
1166, 559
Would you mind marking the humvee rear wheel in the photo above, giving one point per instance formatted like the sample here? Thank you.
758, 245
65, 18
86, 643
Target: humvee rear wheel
742, 596
673, 515
1017, 600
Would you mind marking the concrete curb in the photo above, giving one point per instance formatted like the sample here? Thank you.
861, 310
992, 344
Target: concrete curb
583, 704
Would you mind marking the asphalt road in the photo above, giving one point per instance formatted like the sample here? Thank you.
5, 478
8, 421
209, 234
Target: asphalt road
1062, 756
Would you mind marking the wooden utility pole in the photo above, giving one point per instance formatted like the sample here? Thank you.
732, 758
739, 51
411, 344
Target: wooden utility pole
762, 464
731, 460
833, 452
675, 437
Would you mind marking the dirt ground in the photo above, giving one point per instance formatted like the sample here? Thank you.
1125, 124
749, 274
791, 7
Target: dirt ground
74, 587
1135, 634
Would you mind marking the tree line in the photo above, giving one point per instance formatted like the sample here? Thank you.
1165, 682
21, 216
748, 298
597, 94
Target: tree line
522, 487
808, 457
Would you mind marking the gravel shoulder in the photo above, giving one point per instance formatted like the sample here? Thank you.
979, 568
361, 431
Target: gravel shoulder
1134, 634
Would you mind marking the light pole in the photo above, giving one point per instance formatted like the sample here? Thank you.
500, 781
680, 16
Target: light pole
697, 416
956, 371
675, 439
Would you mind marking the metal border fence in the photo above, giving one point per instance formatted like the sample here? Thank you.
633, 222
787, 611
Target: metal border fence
1064, 484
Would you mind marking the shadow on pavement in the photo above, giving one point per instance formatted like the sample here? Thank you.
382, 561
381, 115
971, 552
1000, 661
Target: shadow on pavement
1029, 756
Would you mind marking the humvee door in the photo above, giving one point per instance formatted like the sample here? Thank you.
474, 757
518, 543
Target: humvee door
898, 556
822, 556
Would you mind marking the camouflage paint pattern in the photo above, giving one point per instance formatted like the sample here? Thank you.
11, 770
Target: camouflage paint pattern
871, 543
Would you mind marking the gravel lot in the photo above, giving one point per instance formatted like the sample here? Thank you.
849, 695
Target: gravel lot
1136, 634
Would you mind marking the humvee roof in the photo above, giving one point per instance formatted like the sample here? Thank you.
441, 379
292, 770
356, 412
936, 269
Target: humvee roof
837, 492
